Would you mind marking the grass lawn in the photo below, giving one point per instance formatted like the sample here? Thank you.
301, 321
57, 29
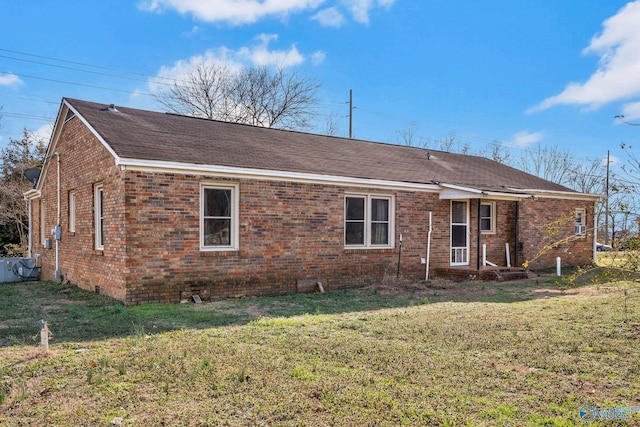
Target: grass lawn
523, 353
629, 260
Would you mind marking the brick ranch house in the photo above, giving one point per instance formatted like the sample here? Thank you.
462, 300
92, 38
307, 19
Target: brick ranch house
151, 207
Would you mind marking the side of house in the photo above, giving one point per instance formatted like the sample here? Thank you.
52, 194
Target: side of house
144, 231
88, 186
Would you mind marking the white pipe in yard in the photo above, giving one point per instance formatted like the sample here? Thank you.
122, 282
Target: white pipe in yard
506, 247
426, 276
484, 254
558, 267
44, 337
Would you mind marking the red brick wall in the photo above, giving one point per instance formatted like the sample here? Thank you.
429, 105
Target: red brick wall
288, 231
547, 231
83, 162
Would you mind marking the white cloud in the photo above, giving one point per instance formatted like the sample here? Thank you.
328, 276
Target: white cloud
330, 17
180, 69
193, 32
360, 9
524, 139
631, 111
232, 11
43, 132
318, 57
613, 160
258, 54
10, 79
261, 55
617, 75
239, 12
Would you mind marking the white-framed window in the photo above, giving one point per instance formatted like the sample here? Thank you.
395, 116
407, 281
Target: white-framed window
219, 217
581, 222
488, 217
368, 221
98, 209
72, 211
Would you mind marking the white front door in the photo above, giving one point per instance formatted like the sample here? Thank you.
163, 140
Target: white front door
459, 232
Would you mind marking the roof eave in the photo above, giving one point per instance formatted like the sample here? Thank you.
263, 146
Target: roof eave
273, 175
555, 194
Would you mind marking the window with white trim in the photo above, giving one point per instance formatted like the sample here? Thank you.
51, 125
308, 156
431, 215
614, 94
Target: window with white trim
488, 217
98, 209
72, 211
219, 217
581, 222
368, 221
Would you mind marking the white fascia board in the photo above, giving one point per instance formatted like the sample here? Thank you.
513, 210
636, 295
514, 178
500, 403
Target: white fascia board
452, 192
271, 175
65, 106
552, 194
32, 194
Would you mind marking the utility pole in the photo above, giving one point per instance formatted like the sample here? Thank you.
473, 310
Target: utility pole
606, 210
350, 113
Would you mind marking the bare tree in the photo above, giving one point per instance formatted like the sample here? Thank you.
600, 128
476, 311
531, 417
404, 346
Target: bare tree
205, 92
257, 95
16, 157
410, 138
588, 177
497, 152
549, 163
266, 98
448, 143
332, 125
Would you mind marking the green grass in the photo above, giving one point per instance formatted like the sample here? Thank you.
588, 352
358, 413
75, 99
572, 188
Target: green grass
523, 353
629, 260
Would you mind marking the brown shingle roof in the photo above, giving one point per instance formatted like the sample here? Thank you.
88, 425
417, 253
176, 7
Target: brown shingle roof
148, 135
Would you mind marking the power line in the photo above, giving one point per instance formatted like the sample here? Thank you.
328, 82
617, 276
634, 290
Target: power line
74, 69
66, 61
26, 116
78, 84
153, 79
22, 98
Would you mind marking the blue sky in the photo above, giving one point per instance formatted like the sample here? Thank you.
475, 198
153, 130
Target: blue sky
514, 72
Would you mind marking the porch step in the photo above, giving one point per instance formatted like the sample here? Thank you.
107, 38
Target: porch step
510, 274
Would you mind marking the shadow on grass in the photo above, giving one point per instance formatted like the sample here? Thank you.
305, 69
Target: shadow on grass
76, 315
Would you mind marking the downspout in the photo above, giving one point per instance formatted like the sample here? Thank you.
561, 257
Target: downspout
595, 233
29, 241
517, 244
478, 240
57, 230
